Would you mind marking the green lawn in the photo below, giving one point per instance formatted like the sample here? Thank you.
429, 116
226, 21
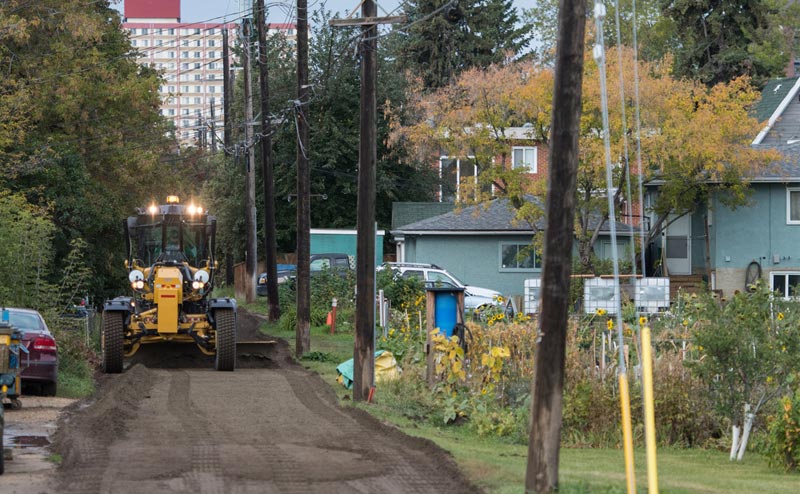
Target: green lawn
499, 467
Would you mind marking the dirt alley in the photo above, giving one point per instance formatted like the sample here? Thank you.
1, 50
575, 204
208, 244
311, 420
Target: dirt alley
171, 424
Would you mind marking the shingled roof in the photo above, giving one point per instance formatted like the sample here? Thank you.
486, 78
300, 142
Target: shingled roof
775, 97
496, 217
772, 95
404, 213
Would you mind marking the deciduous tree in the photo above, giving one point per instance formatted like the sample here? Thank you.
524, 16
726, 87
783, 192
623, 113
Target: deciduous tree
695, 139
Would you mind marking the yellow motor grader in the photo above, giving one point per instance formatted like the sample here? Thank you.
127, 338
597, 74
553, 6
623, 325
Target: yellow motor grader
171, 269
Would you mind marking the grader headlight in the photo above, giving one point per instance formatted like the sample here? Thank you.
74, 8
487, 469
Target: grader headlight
201, 277
136, 278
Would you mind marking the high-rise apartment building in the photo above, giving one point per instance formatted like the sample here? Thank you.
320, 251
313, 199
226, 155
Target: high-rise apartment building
190, 58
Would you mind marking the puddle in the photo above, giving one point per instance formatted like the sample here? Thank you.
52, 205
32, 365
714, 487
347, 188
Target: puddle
30, 441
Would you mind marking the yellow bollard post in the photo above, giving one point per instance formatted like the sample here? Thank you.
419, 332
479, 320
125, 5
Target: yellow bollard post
627, 433
649, 412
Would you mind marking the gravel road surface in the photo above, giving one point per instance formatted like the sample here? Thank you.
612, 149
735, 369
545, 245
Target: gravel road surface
171, 424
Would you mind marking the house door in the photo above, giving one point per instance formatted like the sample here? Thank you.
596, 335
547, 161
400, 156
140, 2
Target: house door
678, 245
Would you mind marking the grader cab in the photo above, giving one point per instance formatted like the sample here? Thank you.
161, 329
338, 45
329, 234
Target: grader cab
171, 268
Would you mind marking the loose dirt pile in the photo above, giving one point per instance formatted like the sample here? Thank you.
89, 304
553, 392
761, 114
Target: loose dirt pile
170, 423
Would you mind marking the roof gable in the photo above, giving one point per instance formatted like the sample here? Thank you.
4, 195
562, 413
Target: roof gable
775, 98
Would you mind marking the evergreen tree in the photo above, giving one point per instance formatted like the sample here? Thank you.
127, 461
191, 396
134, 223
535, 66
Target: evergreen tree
720, 40
446, 37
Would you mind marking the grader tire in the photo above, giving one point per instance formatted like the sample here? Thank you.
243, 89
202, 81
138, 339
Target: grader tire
112, 342
226, 340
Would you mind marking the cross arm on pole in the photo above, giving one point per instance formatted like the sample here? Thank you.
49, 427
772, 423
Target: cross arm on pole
367, 21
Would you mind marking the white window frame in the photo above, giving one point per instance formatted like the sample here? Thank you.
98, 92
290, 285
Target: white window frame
789, 220
458, 174
536, 266
785, 275
533, 167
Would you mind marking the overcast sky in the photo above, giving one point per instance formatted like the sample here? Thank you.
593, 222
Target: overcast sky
279, 10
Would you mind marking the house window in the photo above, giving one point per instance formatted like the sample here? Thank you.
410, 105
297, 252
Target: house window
518, 257
793, 206
525, 157
452, 173
787, 283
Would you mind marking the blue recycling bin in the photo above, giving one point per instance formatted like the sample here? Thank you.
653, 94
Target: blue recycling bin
446, 308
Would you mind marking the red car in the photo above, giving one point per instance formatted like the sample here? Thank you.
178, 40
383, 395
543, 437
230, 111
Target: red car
41, 363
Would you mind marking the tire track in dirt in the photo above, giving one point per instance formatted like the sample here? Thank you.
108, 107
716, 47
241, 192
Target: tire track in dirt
182, 427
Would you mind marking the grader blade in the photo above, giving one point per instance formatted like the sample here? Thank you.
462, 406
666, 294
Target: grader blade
255, 348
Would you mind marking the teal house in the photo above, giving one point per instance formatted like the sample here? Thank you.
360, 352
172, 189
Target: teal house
482, 245
762, 239
326, 240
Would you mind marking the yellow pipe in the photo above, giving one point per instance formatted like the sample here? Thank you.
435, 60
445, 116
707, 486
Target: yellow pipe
627, 435
649, 412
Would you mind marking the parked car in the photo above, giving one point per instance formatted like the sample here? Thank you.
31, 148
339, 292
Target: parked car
40, 365
285, 271
432, 275
339, 263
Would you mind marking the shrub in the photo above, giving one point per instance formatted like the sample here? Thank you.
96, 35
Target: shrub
784, 433
76, 359
405, 294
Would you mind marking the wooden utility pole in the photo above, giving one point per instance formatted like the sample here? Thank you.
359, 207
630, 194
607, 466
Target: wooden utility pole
301, 111
251, 260
270, 244
548, 384
364, 345
227, 92
213, 127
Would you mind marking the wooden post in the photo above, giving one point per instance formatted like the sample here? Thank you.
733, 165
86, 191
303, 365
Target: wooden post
364, 345
548, 385
270, 244
303, 331
213, 127
430, 318
227, 91
251, 259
